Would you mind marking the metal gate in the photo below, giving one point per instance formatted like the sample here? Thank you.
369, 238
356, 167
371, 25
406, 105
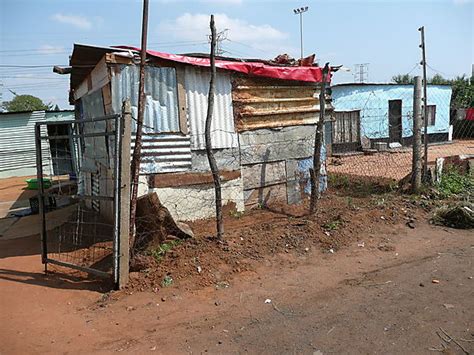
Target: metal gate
84, 214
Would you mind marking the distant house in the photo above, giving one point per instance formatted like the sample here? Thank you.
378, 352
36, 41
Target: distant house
262, 132
368, 113
17, 143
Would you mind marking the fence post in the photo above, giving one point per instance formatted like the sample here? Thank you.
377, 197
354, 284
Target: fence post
125, 181
41, 207
207, 133
417, 116
315, 172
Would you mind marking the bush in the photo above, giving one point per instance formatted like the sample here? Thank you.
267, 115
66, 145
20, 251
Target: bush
454, 183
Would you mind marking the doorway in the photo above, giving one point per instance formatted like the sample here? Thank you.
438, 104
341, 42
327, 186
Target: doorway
395, 121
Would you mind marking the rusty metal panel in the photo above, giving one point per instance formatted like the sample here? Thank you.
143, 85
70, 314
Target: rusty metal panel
274, 103
197, 88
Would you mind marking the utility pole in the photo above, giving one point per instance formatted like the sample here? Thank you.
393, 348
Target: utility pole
425, 102
220, 37
300, 12
361, 72
135, 166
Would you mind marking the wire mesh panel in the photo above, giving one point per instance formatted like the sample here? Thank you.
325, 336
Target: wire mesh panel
383, 148
80, 203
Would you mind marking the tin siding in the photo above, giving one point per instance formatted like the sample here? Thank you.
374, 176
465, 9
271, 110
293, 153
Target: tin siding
17, 144
222, 129
164, 153
164, 148
161, 110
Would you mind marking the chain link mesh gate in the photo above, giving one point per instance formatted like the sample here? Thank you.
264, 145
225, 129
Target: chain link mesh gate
82, 179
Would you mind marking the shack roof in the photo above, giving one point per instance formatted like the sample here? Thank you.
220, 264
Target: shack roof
85, 57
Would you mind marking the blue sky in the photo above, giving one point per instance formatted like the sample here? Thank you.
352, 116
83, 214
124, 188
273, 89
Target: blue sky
382, 33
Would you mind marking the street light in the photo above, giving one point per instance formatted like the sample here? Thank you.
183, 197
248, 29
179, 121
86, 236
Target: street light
300, 11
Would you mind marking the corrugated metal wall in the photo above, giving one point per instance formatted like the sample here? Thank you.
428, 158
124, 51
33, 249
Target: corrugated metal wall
161, 110
17, 144
197, 88
162, 151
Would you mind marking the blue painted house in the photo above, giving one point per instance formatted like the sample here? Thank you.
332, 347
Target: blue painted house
365, 114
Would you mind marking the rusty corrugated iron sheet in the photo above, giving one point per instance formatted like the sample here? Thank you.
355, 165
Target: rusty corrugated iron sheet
272, 103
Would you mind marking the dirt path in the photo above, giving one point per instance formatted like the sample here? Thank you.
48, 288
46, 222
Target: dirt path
358, 300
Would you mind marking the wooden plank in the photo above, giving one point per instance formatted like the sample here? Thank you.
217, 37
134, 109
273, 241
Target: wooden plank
81, 90
99, 75
263, 174
118, 59
189, 178
182, 105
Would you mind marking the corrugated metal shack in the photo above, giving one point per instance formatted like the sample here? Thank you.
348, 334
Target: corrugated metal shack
262, 132
17, 144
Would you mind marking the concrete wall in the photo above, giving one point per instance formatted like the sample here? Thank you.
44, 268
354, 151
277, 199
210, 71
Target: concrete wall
193, 202
372, 101
276, 162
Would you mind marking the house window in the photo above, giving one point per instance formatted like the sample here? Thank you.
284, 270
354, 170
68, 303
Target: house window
431, 115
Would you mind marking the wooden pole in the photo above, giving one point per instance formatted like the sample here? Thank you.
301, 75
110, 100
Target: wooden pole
425, 103
135, 166
417, 117
318, 143
124, 235
207, 134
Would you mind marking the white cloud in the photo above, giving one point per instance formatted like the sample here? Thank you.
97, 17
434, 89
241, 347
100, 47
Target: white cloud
74, 20
195, 27
47, 49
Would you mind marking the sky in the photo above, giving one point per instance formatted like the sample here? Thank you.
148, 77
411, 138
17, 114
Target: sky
35, 35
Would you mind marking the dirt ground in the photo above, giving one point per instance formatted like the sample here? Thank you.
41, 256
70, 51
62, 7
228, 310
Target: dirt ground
395, 164
354, 279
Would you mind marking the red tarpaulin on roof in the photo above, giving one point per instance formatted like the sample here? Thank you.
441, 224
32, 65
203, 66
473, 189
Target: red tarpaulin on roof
309, 74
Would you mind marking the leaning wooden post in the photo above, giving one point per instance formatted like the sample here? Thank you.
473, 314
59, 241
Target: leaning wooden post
135, 165
318, 143
125, 181
417, 117
207, 134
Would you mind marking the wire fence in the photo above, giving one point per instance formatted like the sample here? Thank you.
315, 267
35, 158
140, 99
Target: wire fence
383, 145
79, 195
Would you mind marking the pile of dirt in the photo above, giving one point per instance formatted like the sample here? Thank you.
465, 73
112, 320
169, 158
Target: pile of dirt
262, 234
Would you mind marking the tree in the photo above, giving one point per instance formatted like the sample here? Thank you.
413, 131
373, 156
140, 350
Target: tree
463, 88
25, 103
403, 79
